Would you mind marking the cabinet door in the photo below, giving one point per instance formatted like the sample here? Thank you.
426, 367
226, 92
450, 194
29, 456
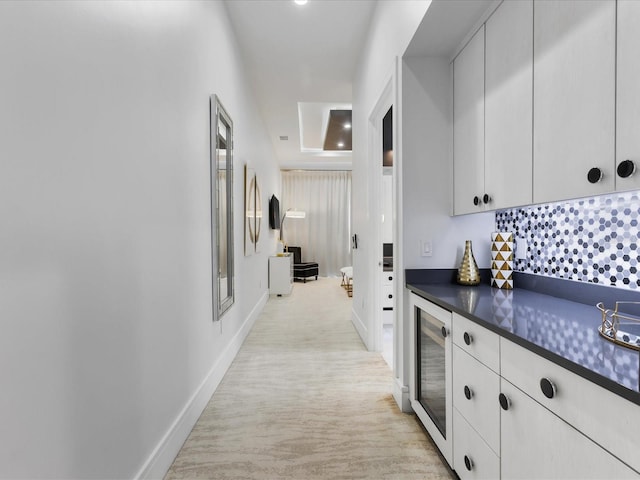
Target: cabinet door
509, 104
576, 400
280, 275
472, 457
537, 444
468, 126
574, 98
628, 93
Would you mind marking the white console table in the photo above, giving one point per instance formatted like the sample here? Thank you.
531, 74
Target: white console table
281, 274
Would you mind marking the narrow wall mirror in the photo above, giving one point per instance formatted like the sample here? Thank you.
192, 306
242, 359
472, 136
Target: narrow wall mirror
221, 207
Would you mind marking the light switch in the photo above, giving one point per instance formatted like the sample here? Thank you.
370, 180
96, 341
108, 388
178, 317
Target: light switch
521, 248
426, 248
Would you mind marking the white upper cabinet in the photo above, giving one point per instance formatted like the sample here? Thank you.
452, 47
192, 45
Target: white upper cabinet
574, 98
468, 127
628, 93
508, 105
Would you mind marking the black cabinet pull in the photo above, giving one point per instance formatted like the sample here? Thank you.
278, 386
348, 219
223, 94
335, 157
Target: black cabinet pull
468, 392
467, 338
390, 296
444, 332
594, 175
476, 200
486, 198
505, 403
547, 387
626, 168
390, 278
468, 463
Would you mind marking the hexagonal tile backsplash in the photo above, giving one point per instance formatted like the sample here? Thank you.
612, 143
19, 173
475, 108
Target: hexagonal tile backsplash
590, 240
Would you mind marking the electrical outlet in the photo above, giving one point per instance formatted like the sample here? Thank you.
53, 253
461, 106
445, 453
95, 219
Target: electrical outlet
425, 248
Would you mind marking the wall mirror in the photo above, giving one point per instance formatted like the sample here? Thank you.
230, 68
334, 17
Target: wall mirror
221, 207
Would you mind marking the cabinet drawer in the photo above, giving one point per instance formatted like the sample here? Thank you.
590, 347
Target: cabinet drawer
387, 278
481, 461
387, 296
387, 317
475, 392
477, 341
605, 417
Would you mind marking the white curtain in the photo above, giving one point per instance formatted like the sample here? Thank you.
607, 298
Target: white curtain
325, 233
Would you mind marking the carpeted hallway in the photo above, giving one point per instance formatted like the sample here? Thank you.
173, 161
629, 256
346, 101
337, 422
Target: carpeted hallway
305, 400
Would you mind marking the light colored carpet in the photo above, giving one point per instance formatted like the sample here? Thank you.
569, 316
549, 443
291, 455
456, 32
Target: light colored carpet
305, 400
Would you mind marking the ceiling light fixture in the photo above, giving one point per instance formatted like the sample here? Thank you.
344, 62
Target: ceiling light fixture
300, 2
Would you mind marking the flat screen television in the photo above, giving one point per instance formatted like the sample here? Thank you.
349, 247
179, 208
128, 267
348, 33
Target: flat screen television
274, 213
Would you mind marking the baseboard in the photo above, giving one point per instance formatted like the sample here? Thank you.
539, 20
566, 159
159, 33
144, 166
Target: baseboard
167, 449
401, 396
361, 328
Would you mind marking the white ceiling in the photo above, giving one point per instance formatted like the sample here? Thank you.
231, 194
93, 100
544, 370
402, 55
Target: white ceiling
301, 54
302, 59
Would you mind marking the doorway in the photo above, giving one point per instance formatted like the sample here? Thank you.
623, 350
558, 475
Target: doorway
387, 275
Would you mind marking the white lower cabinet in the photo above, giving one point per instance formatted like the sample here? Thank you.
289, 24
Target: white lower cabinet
476, 414
529, 418
475, 390
472, 457
598, 413
281, 274
387, 290
536, 444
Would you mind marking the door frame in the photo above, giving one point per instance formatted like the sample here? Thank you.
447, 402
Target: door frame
385, 101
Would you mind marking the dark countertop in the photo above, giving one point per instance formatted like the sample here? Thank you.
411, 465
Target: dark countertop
561, 330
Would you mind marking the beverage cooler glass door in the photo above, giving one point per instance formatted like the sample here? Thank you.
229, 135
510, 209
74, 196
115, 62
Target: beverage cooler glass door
431, 395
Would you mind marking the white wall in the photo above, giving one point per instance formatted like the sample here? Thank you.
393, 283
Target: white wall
427, 189
105, 258
422, 91
392, 26
427, 172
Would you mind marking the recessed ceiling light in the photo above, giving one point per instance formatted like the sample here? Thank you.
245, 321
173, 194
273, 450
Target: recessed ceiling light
347, 126
300, 2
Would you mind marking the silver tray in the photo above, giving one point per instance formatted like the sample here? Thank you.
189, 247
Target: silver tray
620, 328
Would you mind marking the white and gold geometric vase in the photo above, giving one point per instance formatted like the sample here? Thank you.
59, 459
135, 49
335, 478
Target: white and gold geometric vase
502, 260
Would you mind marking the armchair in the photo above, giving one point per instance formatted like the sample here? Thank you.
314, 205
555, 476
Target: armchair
302, 269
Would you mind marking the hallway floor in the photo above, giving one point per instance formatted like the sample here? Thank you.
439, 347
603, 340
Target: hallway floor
305, 400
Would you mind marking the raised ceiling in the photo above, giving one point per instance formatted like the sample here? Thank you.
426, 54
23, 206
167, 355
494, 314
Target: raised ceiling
301, 55
338, 136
